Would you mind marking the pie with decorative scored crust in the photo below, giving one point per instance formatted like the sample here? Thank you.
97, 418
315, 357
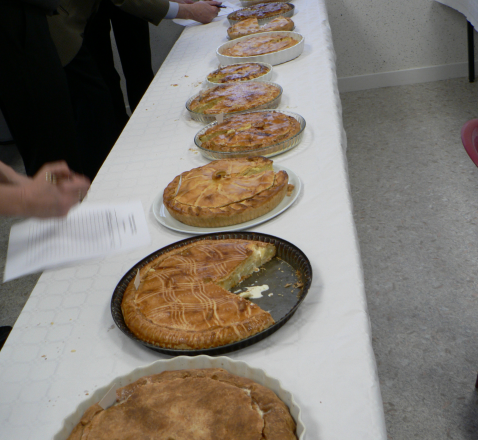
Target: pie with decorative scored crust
183, 301
234, 97
260, 11
260, 45
251, 26
238, 72
225, 192
249, 132
199, 404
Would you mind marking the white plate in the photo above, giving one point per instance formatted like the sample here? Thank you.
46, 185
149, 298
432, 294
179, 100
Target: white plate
185, 362
164, 217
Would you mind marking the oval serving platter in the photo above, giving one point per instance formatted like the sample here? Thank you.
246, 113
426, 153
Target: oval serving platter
288, 275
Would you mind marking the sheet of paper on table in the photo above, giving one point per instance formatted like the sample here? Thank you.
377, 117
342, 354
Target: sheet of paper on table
88, 231
229, 7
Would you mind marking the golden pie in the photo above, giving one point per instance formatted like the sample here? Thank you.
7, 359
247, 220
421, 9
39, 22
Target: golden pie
238, 72
231, 98
251, 26
260, 11
199, 404
260, 45
249, 132
225, 192
183, 301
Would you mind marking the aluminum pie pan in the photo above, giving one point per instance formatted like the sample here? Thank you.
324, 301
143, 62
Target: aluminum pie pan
274, 58
266, 77
236, 367
269, 151
201, 117
261, 21
290, 263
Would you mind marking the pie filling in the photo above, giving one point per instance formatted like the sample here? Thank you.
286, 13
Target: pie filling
199, 404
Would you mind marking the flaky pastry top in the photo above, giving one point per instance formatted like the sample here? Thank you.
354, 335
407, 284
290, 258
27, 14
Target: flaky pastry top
238, 72
250, 131
260, 45
261, 10
236, 97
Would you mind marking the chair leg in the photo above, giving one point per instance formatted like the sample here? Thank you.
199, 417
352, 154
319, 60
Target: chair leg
476, 384
471, 53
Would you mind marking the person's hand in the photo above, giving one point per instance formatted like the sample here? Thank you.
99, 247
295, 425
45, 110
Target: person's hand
53, 191
202, 11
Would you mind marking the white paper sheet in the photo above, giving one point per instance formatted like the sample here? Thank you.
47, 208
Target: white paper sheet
88, 231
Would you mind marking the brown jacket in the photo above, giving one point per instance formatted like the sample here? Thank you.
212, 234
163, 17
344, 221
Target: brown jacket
68, 25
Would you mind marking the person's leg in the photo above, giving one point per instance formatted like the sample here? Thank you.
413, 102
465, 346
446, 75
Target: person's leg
97, 126
132, 39
98, 42
34, 95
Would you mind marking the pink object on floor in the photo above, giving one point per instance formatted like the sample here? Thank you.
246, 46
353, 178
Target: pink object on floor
469, 137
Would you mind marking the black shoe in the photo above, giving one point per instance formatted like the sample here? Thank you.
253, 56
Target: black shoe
4, 332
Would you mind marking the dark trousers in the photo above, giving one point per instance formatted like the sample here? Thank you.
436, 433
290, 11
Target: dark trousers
132, 40
34, 94
96, 123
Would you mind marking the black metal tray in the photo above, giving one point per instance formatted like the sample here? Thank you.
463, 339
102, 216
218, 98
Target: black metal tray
289, 268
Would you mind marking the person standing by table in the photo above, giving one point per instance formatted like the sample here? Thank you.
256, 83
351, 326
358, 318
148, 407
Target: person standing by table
97, 123
34, 93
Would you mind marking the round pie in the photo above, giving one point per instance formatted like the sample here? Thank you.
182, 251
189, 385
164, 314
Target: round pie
260, 45
225, 192
238, 72
261, 11
250, 131
231, 98
251, 26
199, 404
182, 301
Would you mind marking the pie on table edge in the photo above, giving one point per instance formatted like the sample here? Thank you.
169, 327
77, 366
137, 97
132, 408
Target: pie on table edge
226, 192
183, 301
199, 404
249, 132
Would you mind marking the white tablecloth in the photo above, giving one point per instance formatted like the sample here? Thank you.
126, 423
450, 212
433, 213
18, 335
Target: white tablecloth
469, 8
65, 344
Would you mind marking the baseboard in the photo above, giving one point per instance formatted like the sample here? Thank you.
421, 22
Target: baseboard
403, 77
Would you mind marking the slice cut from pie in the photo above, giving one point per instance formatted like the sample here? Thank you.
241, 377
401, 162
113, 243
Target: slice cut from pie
225, 192
183, 301
250, 131
199, 404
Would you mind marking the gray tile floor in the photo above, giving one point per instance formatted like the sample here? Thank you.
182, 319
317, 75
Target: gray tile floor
415, 194
416, 210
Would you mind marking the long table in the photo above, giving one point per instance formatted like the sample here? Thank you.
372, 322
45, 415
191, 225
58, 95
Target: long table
65, 343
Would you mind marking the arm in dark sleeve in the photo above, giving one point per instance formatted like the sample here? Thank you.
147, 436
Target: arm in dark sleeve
151, 10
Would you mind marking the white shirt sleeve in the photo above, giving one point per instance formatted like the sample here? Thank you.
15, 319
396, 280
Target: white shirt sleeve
173, 10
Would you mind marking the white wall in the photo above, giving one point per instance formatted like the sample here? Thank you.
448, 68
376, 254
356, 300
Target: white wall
375, 39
